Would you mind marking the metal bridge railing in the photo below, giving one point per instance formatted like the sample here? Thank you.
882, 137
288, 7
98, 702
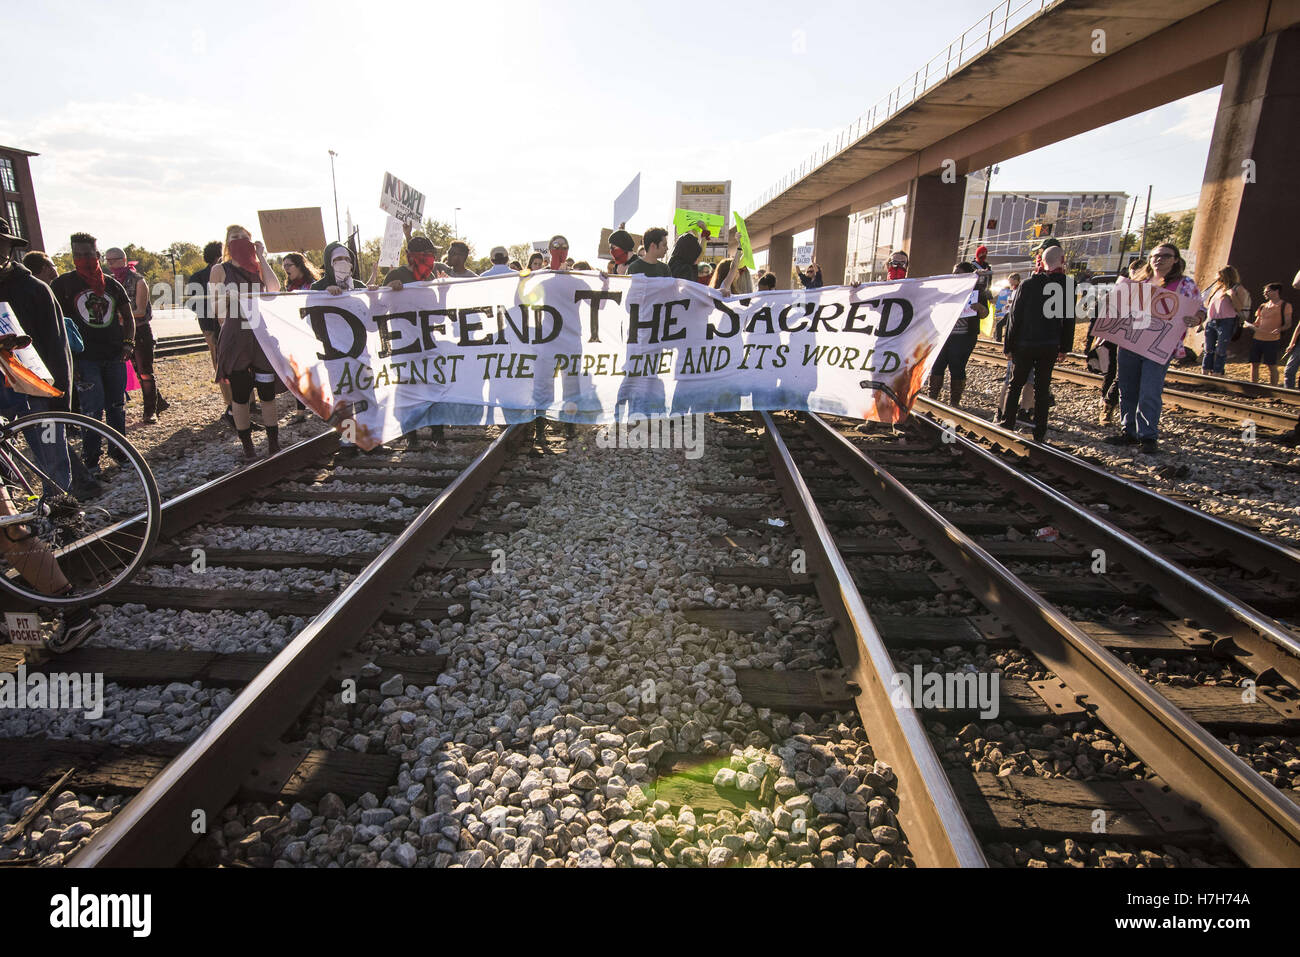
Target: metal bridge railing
974, 42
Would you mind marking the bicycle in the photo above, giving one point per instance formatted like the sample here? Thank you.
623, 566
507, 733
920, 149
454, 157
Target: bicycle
67, 535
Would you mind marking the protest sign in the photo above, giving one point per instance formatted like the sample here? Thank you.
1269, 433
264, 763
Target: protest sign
628, 201
746, 249
390, 250
577, 347
637, 242
1144, 318
292, 230
803, 255
23, 369
404, 202
684, 220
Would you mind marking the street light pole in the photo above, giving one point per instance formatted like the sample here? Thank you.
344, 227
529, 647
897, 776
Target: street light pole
455, 222
338, 230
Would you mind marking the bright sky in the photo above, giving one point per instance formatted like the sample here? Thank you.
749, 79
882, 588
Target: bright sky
154, 125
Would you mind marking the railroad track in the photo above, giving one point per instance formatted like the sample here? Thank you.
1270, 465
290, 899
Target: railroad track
307, 491
1281, 416
774, 632
952, 516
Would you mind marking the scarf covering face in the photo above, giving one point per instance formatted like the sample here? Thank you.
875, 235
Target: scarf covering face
620, 255
421, 265
88, 269
120, 273
244, 255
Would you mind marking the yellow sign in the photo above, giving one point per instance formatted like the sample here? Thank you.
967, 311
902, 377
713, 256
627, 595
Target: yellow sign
698, 189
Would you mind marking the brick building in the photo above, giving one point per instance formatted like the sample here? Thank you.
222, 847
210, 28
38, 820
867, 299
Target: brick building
18, 196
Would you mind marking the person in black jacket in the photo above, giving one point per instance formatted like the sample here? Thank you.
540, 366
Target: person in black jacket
37, 311
1040, 331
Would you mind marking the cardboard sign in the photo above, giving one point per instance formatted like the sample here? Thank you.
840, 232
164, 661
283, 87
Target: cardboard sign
24, 627
684, 221
628, 201
23, 368
1144, 318
292, 230
803, 255
746, 249
391, 250
404, 202
605, 233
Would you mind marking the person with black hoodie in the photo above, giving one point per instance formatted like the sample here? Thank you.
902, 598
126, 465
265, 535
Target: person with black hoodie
340, 271
1040, 331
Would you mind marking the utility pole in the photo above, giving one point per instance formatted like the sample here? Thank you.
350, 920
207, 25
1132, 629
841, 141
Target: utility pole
1146, 217
338, 230
455, 222
1123, 240
984, 210
875, 242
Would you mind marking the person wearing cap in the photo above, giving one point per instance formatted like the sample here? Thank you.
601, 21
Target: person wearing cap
500, 263
421, 264
620, 250
37, 310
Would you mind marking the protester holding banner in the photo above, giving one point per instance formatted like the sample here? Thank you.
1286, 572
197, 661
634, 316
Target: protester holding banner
240, 359
686, 253
620, 251
457, 254
559, 247
1039, 333
958, 346
649, 263
299, 272
1142, 380
536, 261
500, 257
897, 268
727, 273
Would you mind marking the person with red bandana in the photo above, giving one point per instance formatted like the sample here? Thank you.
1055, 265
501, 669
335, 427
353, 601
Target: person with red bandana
240, 359
421, 265
137, 290
103, 315
620, 251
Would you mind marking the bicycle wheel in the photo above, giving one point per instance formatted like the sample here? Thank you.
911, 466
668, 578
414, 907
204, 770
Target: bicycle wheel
69, 531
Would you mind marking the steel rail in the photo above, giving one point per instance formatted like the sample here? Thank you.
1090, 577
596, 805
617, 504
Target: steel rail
154, 828
1240, 546
1265, 646
937, 830
1268, 418
1252, 816
1252, 390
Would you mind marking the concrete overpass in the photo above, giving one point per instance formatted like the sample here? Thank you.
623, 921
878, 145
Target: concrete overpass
1036, 81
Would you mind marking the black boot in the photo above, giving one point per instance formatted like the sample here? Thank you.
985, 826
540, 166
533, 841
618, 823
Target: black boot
936, 386
957, 387
272, 440
246, 438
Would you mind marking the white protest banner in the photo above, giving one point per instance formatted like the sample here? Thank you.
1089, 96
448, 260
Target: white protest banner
390, 250
404, 202
585, 348
628, 201
292, 230
1144, 318
803, 255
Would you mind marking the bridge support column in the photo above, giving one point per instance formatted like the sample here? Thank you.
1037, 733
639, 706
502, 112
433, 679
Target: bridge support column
831, 247
1250, 204
780, 254
933, 225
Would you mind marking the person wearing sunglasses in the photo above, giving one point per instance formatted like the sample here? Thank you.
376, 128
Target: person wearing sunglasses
1142, 380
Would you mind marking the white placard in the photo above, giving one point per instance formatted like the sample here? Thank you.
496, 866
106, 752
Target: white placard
628, 201
29, 358
803, 255
391, 251
404, 202
24, 627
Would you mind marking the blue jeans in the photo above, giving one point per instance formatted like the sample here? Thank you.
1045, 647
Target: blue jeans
101, 388
1292, 368
1141, 388
1218, 334
49, 447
